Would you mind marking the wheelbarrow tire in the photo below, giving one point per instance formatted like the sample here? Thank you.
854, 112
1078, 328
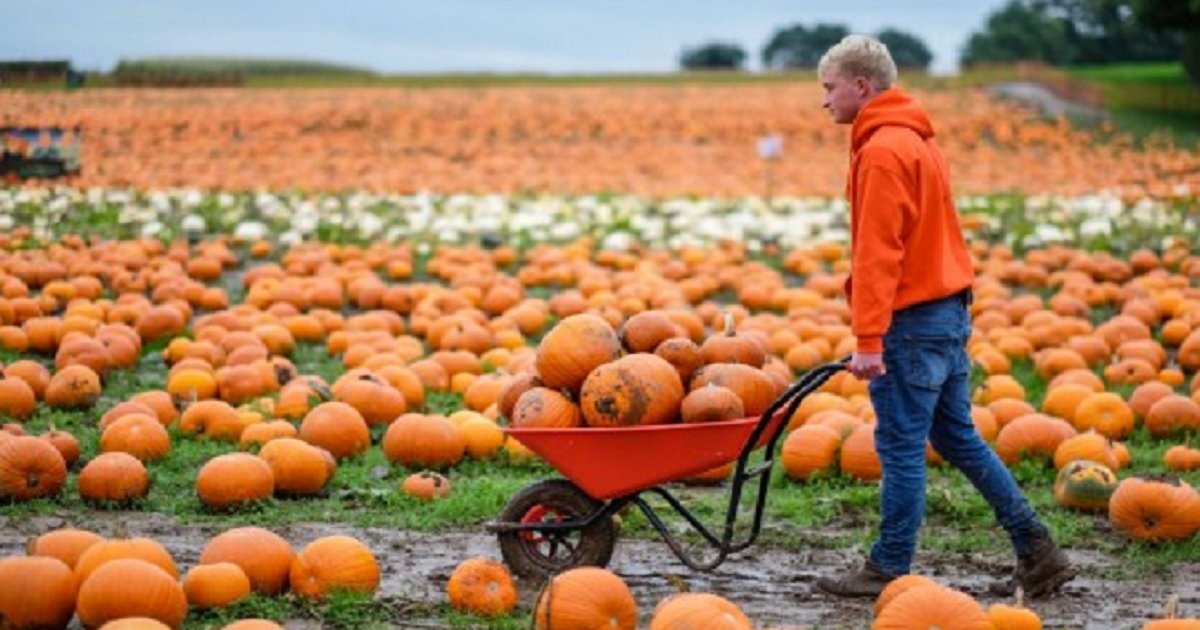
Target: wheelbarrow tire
596, 541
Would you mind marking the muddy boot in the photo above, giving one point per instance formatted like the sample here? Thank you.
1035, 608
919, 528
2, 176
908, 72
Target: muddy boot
865, 582
1038, 573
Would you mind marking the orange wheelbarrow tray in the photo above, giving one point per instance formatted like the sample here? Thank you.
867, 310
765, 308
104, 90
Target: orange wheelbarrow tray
556, 524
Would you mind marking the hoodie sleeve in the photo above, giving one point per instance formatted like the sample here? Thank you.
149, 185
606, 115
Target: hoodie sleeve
883, 208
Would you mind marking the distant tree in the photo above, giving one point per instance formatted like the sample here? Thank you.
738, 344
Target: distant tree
1176, 15
713, 56
908, 50
797, 46
1108, 31
1017, 32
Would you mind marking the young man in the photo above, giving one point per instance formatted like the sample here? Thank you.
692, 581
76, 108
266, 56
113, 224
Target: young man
909, 291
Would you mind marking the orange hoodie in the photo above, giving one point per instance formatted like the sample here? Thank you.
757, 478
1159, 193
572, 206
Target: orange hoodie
906, 245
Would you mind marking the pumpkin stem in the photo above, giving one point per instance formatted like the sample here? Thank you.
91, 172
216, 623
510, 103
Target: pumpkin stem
728, 323
1172, 611
31, 545
1020, 597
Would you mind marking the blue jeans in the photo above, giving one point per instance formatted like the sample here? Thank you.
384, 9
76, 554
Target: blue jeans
925, 393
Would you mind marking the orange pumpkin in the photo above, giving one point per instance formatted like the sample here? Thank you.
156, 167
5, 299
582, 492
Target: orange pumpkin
130, 588
115, 476
36, 592
482, 586
30, 468
263, 556
586, 597
334, 562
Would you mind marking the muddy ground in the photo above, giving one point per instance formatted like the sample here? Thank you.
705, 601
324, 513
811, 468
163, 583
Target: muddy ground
775, 588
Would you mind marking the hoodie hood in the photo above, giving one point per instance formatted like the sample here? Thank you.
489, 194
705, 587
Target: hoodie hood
891, 107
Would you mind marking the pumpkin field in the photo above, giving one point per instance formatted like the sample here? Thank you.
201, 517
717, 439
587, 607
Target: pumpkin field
257, 361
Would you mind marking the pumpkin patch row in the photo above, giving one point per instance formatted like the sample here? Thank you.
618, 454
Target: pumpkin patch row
75, 573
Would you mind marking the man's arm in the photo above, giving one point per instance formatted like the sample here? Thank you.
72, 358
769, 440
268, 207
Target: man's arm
883, 204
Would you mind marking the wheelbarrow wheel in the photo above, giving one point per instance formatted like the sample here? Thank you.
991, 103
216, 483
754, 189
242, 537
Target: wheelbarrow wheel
536, 554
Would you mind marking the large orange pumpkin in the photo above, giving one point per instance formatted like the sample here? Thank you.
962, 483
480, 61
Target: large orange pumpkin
334, 562
130, 588
263, 556
637, 389
36, 592
585, 598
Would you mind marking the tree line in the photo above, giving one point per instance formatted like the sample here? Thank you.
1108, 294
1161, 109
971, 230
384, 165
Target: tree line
1057, 32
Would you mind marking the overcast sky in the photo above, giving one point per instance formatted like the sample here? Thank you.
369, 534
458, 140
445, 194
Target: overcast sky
412, 36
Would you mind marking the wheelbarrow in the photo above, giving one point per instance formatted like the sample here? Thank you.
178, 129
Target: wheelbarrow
556, 524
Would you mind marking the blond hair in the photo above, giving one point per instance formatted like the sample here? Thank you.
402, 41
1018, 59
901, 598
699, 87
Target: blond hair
860, 56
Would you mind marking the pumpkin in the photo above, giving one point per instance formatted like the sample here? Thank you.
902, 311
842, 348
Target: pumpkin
810, 450
484, 392
698, 610
137, 434
263, 556
1182, 458
573, 348
752, 385
33, 373
1084, 485
17, 398
637, 389
932, 607
214, 419
585, 598
1105, 412
299, 468
729, 346
1015, 617
643, 332
260, 433
1155, 510
898, 586
417, 440
482, 586
1033, 434
234, 479
162, 404
115, 476
30, 468
1087, 446
129, 587
1172, 414
544, 407
73, 387
337, 428
215, 585
64, 544
334, 562
376, 400
36, 592
858, 458
683, 354
64, 443
516, 387
711, 403
481, 437
107, 551
426, 485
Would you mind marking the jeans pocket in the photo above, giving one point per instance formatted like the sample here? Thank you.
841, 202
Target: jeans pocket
930, 360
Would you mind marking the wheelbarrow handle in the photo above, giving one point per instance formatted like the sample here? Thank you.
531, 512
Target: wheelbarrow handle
792, 397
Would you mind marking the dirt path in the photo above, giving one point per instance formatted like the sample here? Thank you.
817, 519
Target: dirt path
774, 587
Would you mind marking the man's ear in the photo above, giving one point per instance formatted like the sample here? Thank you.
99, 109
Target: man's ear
863, 86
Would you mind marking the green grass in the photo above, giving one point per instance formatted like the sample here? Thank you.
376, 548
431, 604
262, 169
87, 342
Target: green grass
1165, 72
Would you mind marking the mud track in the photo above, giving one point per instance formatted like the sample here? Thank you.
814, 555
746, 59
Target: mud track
776, 588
